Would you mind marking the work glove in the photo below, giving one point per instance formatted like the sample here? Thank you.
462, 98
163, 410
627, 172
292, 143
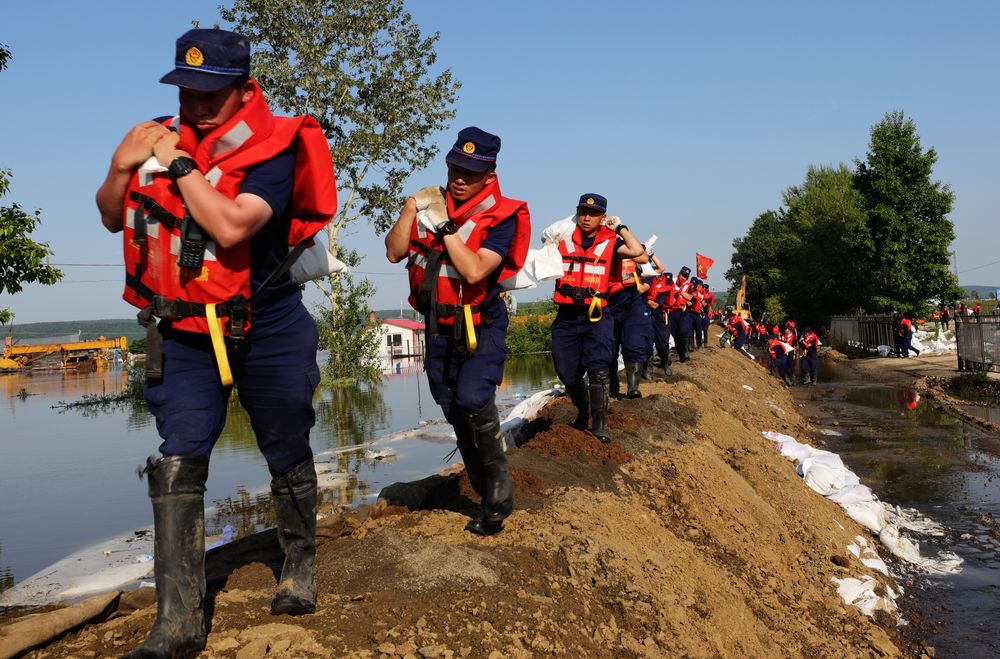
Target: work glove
612, 222
431, 201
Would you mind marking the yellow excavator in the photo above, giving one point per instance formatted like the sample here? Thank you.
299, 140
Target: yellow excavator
75, 354
741, 300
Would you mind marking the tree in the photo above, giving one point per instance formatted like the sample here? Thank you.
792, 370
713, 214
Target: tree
346, 332
22, 260
761, 255
824, 270
907, 218
362, 69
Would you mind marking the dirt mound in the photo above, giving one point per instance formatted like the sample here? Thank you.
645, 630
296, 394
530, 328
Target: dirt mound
706, 544
564, 440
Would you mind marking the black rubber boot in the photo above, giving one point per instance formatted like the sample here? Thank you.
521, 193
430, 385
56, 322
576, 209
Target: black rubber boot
578, 394
632, 378
599, 405
681, 347
177, 491
665, 362
294, 497
647, 369
498, 499
466, 441
614, 384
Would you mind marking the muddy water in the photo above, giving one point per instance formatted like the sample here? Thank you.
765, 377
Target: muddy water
68, 477
914, 455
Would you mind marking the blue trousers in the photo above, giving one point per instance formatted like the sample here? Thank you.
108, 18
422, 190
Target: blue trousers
464, 382
580, 346
661, 333
680, 329
631, 326
275, 373
810, 366
740, 340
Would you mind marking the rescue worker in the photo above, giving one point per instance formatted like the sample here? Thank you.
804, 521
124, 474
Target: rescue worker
680, 320
648, 281
470, 240
632, 331
208, 223
659, 299
945, 317
582, 331
738, 326
695, 310
810, 359
789, 339
906, 330
779, 352
708, 302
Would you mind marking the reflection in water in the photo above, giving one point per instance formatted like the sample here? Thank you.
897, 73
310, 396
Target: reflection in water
6, 574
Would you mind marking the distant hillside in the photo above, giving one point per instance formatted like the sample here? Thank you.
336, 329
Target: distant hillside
89, 329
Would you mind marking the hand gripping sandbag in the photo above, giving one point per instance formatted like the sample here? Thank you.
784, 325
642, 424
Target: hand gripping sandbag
315, 262
559, 230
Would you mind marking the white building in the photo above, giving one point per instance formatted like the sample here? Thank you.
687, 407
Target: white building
401, 338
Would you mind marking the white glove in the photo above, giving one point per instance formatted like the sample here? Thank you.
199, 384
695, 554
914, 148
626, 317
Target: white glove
612, 222
431, 201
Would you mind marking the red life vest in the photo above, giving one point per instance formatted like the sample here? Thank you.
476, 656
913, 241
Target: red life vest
677, 300
154, 212
737, 324
437, 290
696, 301
586, 273
709, 302
623, 275
659, 288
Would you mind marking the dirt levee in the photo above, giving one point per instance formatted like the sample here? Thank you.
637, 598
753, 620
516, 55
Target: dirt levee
688, 536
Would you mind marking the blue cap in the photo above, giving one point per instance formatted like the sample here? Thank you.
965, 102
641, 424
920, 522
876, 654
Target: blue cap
684, 272
593, 201
475, 150
209, 60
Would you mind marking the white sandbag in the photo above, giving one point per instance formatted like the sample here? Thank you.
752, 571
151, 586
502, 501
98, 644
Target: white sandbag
548, 263
795, 450
826, 474
883, 351
559, 230
315, 262
646, 270
649, 243
860, 593
869, 514
853, 494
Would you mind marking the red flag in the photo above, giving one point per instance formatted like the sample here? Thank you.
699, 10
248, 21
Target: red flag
704, 263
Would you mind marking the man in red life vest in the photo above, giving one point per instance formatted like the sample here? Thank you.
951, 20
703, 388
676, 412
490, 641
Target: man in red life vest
810, 360
708, 302
780, 352
738, 326
461, 250
632, 332
208, 225
581, 333
659, 299
906, 331
679, 318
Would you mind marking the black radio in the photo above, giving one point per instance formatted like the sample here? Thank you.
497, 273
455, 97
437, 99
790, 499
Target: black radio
192, 244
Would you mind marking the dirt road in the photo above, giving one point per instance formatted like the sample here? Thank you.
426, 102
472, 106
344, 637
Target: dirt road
689, 536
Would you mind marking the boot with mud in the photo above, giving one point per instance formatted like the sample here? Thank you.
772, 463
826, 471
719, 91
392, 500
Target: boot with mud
599, 406
294, 497
498, 498
614, 384
578, 394
788, 380
807, 379
632, 378
177, 492
647, 369
665, 362
466, 442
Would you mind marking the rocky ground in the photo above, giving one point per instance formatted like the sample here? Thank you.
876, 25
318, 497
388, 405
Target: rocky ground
689, 536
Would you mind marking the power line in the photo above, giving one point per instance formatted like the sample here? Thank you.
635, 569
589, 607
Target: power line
979, 267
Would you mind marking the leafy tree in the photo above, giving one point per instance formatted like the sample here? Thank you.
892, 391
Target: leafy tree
346, 331
22, 260
907, 218
762, 255
362, 69
827, 216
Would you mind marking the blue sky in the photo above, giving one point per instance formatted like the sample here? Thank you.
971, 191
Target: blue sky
692, 118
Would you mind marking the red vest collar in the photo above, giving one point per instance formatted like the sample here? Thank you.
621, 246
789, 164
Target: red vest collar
253, 123
487, 198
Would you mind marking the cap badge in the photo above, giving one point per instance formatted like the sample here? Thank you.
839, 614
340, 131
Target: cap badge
469, 148
193, 57
590, 201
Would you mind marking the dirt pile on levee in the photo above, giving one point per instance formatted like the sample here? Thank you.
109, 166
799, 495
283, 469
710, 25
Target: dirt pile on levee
689, 536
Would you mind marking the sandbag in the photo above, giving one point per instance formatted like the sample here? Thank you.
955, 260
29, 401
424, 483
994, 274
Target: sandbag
38, 630
559, 230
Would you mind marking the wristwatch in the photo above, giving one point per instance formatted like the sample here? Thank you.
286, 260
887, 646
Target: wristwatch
447, 228
181, 167
619, 228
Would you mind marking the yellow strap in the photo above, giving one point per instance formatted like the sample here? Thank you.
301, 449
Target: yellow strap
470, 329
595, 302
635, 275
218, 345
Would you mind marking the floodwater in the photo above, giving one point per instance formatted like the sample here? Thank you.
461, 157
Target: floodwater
916, 456
68, 476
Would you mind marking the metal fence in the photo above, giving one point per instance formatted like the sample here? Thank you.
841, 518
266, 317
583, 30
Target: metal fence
867, 332
978, 341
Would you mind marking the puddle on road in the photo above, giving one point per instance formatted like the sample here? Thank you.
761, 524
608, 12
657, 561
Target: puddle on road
914, 455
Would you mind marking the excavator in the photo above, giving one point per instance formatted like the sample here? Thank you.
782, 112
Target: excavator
70, 355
